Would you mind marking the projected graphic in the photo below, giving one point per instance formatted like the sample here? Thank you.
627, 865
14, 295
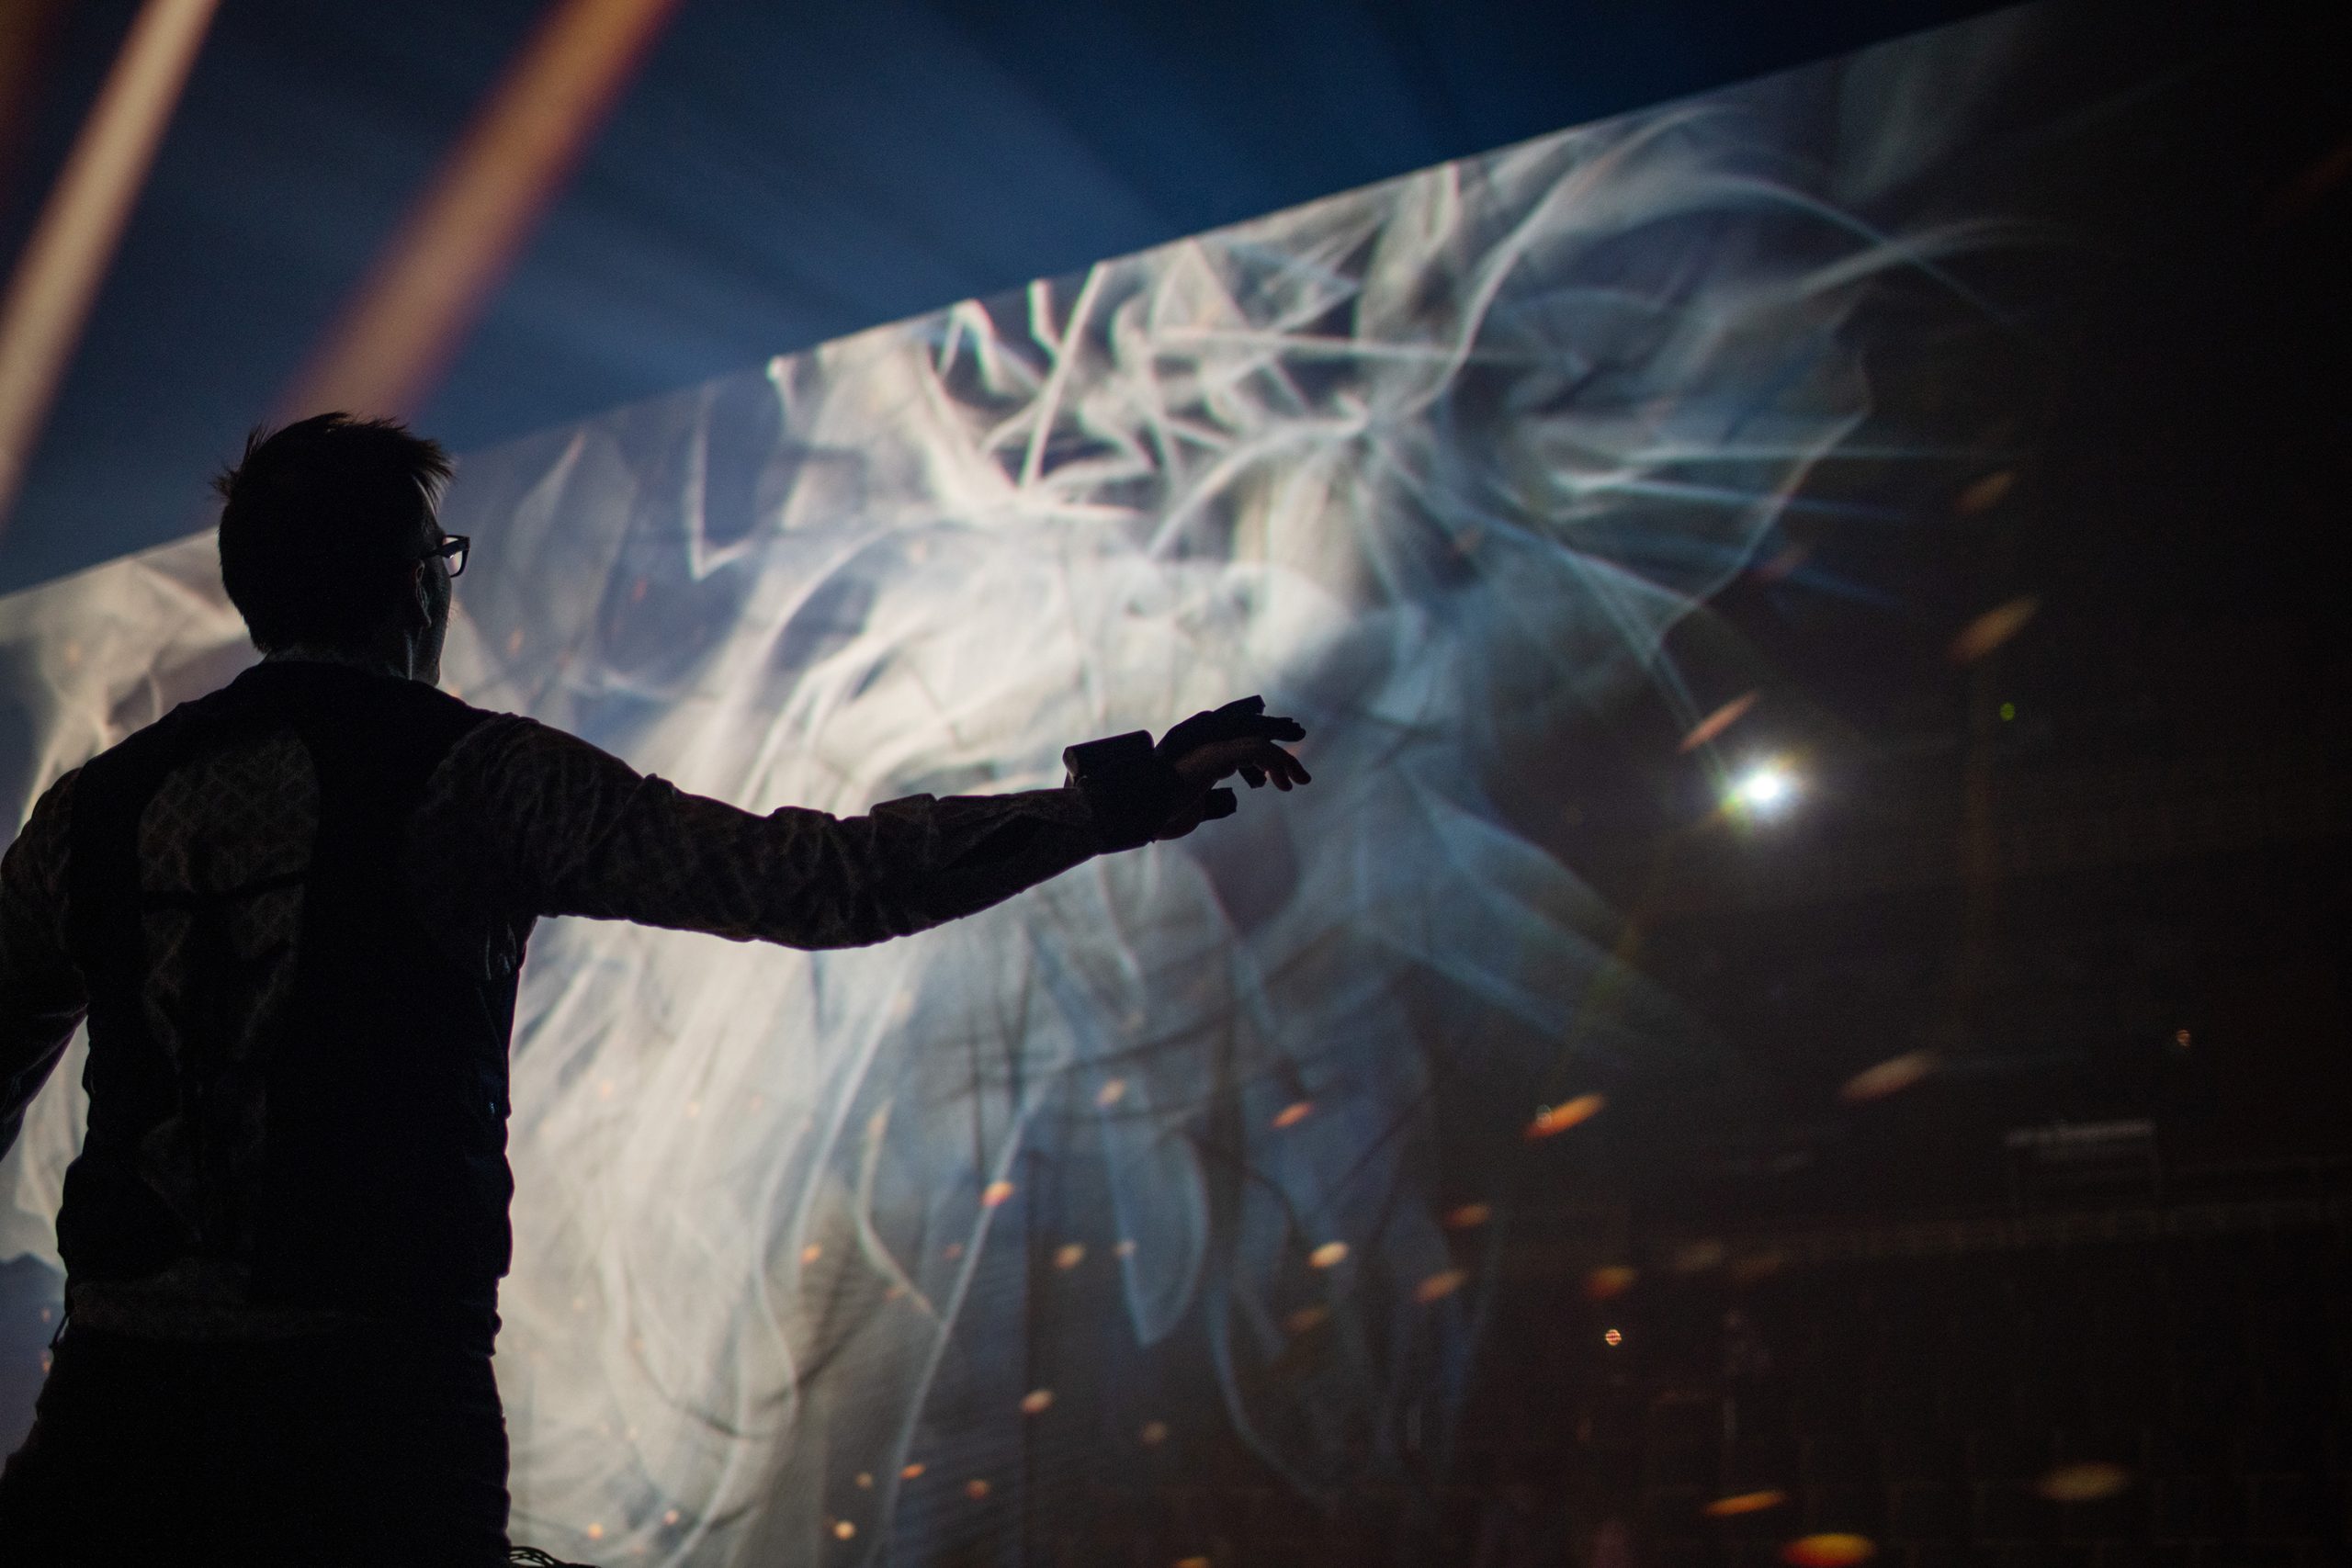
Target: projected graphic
828, 1256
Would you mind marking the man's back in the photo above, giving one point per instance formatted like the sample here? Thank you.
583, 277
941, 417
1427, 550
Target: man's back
298, 1094
323, 879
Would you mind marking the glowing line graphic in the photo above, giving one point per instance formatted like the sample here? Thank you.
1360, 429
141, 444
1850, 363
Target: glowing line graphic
429, 286
73, 240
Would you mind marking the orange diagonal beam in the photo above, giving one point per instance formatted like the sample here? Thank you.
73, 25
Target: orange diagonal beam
73, 240
430, 285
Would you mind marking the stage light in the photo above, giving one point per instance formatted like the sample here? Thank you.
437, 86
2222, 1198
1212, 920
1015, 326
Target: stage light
1768, 789
412, 313
65, 260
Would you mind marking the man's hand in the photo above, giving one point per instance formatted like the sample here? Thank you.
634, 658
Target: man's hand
1210, 747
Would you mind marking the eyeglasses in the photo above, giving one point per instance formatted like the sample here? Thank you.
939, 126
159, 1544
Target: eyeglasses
452, 551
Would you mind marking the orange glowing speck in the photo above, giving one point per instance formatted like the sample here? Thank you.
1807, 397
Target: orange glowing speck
2085, 1483
1833, 1550
1110, 1093
1291, 1115
1329, 1253
1985, 493
996, 1193
1125, 1250
1715, 723
1305, 1318
1698, 1257
1036, 1402
1746, 1502
976, 1489
1070, 1255
843, 1529
1612, 1337
865, 1480
1610, 1281
1154, 1433
911, 1472
1437, 1287
596, 1532
1559, 1118
1469, 1216
1890, 1076
810, 1253
670, 1516
1994, 627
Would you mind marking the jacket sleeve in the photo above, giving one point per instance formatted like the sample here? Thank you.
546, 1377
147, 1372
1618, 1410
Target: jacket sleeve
577, 831
42, 998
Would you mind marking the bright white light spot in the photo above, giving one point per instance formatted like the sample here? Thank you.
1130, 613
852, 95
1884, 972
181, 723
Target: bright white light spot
1766, 789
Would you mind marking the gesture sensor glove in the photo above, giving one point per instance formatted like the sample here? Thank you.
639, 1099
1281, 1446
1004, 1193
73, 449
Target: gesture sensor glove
1135, 791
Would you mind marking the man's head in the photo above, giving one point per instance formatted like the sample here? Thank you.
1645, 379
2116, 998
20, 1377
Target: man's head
325, 537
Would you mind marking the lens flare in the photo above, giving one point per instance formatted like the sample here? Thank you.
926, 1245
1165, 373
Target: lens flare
1767, 789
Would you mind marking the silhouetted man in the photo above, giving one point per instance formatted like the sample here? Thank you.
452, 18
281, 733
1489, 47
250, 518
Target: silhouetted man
293, 912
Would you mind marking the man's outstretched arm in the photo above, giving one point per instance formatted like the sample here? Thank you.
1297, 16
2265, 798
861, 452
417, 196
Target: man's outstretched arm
571, 829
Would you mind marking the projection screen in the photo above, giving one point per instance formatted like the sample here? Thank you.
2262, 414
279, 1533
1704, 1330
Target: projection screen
811, 1248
